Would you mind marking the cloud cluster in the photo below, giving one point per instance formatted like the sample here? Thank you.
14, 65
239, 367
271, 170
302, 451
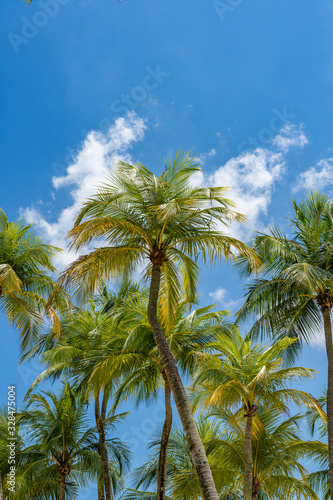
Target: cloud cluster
252, 175
291, 135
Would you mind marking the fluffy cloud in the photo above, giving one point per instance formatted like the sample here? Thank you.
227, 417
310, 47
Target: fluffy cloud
90, 166
250, 179
219, 294
290, 135
318, 177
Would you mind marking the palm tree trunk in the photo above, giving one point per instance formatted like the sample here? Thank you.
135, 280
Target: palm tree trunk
62, 488
103, 451
248, 465
329, 351
197, 450
163, 458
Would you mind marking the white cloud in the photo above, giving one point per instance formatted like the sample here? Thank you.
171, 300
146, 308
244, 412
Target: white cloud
91, 165
219, 294
318, 177
250, 177
290, 135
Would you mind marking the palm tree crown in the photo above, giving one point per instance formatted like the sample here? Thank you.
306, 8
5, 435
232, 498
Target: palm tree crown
147, 219
244, 377
62, 447
24, 284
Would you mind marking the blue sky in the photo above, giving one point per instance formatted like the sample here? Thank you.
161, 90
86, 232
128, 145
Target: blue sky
247, 85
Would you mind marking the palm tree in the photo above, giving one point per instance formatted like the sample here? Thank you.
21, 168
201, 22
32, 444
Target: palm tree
189, 336
85, 331
243, 377
165, 223
294, 296
278, 455
61, 444
24, 285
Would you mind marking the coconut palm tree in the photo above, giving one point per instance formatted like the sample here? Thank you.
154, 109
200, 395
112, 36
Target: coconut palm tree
25, 286
163, 223
61, 445
278, 455
85, 331
243, 377
189, 336
294, 295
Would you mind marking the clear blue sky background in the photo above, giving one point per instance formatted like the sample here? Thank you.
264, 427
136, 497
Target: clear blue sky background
228, 73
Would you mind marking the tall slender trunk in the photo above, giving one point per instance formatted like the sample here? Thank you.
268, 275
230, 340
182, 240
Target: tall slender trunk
62, 488
163, 458
329, 351
197, 450
103, 448
248, 464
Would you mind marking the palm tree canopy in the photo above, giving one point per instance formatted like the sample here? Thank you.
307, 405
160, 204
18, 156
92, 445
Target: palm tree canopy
146, 219
25, 285
296, 273
244, 376
59, 440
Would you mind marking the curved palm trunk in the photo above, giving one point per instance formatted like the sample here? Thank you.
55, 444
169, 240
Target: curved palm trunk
326, 311
62, 488
163, 458
197, 450
100, 418
248, 464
